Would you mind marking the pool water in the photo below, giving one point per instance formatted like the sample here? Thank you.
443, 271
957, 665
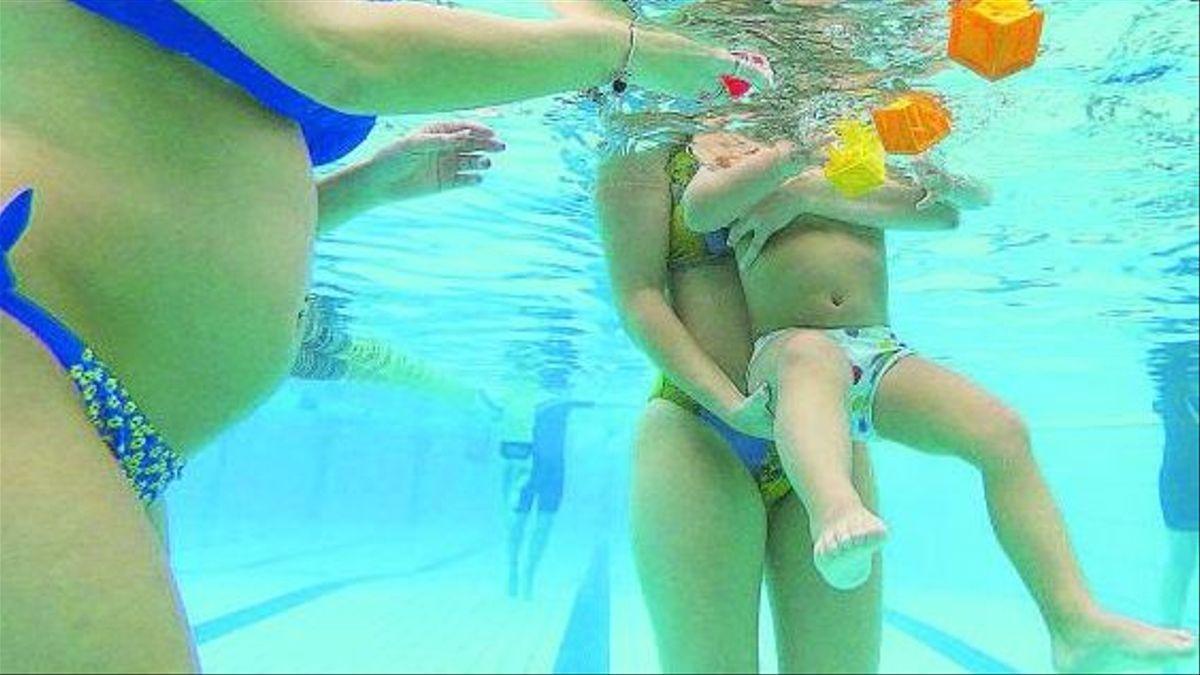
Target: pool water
357, 527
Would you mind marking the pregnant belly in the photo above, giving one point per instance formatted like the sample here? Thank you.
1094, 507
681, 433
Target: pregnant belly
186, 281
173, 215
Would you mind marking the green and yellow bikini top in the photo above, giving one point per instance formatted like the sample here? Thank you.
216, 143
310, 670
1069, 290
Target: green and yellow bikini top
685, 246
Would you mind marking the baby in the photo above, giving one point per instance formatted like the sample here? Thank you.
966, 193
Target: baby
813, 267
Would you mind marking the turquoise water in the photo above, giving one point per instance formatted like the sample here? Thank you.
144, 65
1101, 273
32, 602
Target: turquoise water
356, 527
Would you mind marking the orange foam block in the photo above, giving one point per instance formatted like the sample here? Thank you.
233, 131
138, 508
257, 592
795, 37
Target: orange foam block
855, 165
995, 38
912, 123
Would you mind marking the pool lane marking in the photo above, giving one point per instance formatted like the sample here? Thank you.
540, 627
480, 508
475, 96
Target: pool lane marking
968, 656
586, 644
245, 617
586, 641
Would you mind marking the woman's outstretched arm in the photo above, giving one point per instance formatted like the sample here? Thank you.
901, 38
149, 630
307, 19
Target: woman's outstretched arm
391, 58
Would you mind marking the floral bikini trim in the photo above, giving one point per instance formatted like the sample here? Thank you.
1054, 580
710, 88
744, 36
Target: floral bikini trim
148, 461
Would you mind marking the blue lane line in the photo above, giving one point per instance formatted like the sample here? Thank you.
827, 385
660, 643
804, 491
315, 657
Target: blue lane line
585, 643
271, 560
585, 646
248, 616
236, 620
972, 659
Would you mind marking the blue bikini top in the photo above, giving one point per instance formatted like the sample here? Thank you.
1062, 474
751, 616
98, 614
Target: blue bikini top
330, 134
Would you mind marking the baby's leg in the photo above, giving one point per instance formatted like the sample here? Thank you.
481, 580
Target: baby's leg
927, 407
809, 376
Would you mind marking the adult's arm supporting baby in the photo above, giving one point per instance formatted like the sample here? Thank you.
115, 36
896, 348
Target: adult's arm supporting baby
633, 202
895, 205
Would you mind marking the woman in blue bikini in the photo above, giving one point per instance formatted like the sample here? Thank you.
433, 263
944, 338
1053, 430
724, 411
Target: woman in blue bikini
157, 173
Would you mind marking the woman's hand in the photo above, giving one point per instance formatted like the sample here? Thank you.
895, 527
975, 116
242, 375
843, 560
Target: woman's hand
776, 211
751, 415
676, 65
437, 157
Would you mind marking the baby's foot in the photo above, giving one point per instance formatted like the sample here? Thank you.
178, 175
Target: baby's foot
846, 546
1103, 643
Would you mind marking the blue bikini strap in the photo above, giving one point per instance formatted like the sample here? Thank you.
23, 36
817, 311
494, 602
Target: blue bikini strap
330, 133
62, 343
13, 220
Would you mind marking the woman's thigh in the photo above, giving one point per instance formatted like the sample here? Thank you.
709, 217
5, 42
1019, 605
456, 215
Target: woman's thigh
819, 629
698, 533
84, 582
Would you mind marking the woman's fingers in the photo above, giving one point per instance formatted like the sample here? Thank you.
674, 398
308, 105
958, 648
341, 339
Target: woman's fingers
752, 250
463, 180
473, 163
455, 126
462, 141
482, 145
754, 68
746, 237
463, 170
468, 140
673, 64
738, 231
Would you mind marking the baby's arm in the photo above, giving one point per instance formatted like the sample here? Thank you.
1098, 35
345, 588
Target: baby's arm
719, 195
633, 202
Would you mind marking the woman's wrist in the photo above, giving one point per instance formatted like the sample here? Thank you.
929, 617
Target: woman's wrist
624, 71
358, 185
727, 401
606, 42
343, 195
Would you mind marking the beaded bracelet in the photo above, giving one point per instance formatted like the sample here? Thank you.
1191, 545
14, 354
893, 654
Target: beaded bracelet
620, 80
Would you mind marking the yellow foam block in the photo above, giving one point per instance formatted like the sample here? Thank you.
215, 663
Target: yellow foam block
855, 165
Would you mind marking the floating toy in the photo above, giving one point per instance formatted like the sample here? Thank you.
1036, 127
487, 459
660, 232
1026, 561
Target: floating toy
738, 87
855, 165
912, 123
995, 38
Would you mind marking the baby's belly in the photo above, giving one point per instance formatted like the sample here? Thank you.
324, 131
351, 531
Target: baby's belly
818, 277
